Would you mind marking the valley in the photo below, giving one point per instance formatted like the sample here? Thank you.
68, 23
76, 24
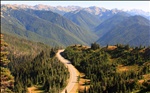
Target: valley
77, 26
74, 49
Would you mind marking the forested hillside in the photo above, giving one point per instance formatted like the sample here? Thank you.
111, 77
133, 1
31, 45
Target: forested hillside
118, 69
83, 19
111, 22
132, 30
43, 26
76, 26
34, 64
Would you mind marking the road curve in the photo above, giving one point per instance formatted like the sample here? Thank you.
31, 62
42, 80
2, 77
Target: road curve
72, 71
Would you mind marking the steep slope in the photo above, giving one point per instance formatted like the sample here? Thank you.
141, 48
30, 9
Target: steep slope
25, 24
35, 32
91, 17
83, 19
134, 30
21, 47
83, 34
110, 23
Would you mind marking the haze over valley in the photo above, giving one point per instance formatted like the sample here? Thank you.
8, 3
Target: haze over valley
63, 26
74, 49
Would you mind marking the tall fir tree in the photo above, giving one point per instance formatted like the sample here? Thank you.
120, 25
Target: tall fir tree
6, 80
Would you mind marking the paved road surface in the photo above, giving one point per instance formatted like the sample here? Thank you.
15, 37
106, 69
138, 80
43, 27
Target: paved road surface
73, 73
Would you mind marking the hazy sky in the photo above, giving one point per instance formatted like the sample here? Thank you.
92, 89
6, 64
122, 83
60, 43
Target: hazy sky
126, 5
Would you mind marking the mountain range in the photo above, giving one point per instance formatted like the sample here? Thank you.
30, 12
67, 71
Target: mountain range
65, 9
63, 26
44, 26
83, 19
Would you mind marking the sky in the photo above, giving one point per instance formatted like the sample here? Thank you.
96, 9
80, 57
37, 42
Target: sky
122, 5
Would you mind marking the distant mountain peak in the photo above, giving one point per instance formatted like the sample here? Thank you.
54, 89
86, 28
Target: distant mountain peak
139, 12
94, 10
75, 12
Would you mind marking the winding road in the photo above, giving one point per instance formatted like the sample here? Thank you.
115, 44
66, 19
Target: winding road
73, 74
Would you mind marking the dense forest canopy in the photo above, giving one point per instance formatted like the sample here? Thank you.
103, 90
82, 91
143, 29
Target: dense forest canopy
34, 64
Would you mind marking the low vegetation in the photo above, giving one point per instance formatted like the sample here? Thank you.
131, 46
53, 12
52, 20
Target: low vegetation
117, 70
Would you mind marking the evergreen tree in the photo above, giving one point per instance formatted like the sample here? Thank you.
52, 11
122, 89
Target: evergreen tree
95, 46
85, 89
7, 80
66, 91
